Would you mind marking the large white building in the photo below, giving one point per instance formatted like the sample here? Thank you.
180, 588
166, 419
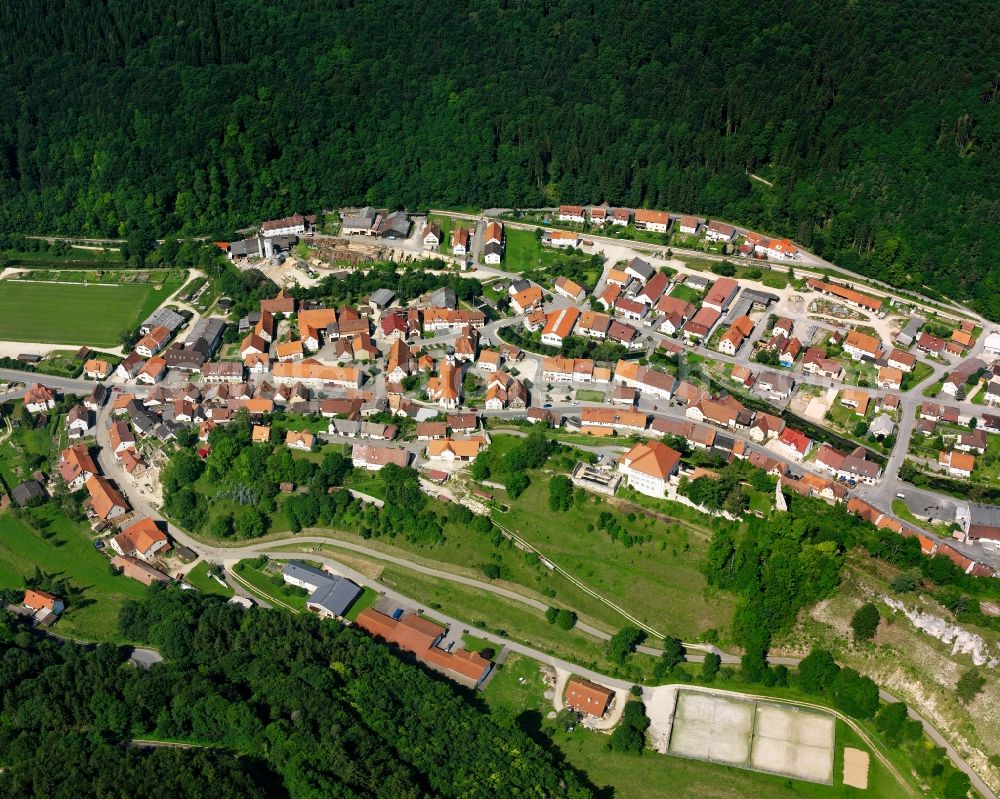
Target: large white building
648, 467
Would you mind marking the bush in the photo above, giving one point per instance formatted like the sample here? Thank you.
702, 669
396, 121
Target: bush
630, 734
969, 685
623, 643
865, 622
710, 667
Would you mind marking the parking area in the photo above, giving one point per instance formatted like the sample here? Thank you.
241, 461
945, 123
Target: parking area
778, 739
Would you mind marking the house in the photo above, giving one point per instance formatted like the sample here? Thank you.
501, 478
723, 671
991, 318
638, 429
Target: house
567, 288
222, 372
848, 466
154, 341
709, 410
76, 466
452, 320
653, 221
676, 307
991, 393
648, 381
527, 300
282, 304
616, 277
571, 213
314, 374
598, 420
558, 326
781, 249
561, 238
630, 309
97, 398
454, 450
431, 235
106, 501
720, 231
860, 345
640, 270
626, 335
598, 216
890, 377
962, 337
957, 464
654, 289
373, 457
882, 426
253, 344
39, 399
722, 294
849, 296
77, 421
260, 434
701, 324
902, 360
142, 539
489, 361
930, 344
731, 341
45, 606
299, 440
765, 427
647, 467
137, 570
431, 431
557, 370
621, 217
95, 369
991, 343
593, 324
492, 253
330, 596
815, 362
793, 444
776, 386
152, 371
856, 399
973, 441
494, 234
294, 225
689, 225
588, 697
460, 242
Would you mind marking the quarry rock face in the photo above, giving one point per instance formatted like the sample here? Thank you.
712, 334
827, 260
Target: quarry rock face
962, 641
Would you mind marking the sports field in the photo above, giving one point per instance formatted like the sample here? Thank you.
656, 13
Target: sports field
62, 313
778, 739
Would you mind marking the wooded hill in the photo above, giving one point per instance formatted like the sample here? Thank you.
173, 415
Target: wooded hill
279, 705
878, 123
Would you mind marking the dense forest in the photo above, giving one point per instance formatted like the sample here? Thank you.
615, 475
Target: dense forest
877, 122
282, 706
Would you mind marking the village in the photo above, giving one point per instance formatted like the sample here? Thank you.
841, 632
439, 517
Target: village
826, 387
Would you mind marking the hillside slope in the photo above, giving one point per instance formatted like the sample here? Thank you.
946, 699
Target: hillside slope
878, 123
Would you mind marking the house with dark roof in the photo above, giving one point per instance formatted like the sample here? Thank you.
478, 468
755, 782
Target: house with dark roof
330, 595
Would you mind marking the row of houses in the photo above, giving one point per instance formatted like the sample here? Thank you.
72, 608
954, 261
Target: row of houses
646, 219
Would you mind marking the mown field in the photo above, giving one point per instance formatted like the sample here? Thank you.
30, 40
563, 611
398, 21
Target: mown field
58, 313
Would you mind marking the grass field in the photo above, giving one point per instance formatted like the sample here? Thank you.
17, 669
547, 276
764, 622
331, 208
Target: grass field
74, 314
62, 548
522, 251
647, 579
198, 577
686, 293
589, 395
